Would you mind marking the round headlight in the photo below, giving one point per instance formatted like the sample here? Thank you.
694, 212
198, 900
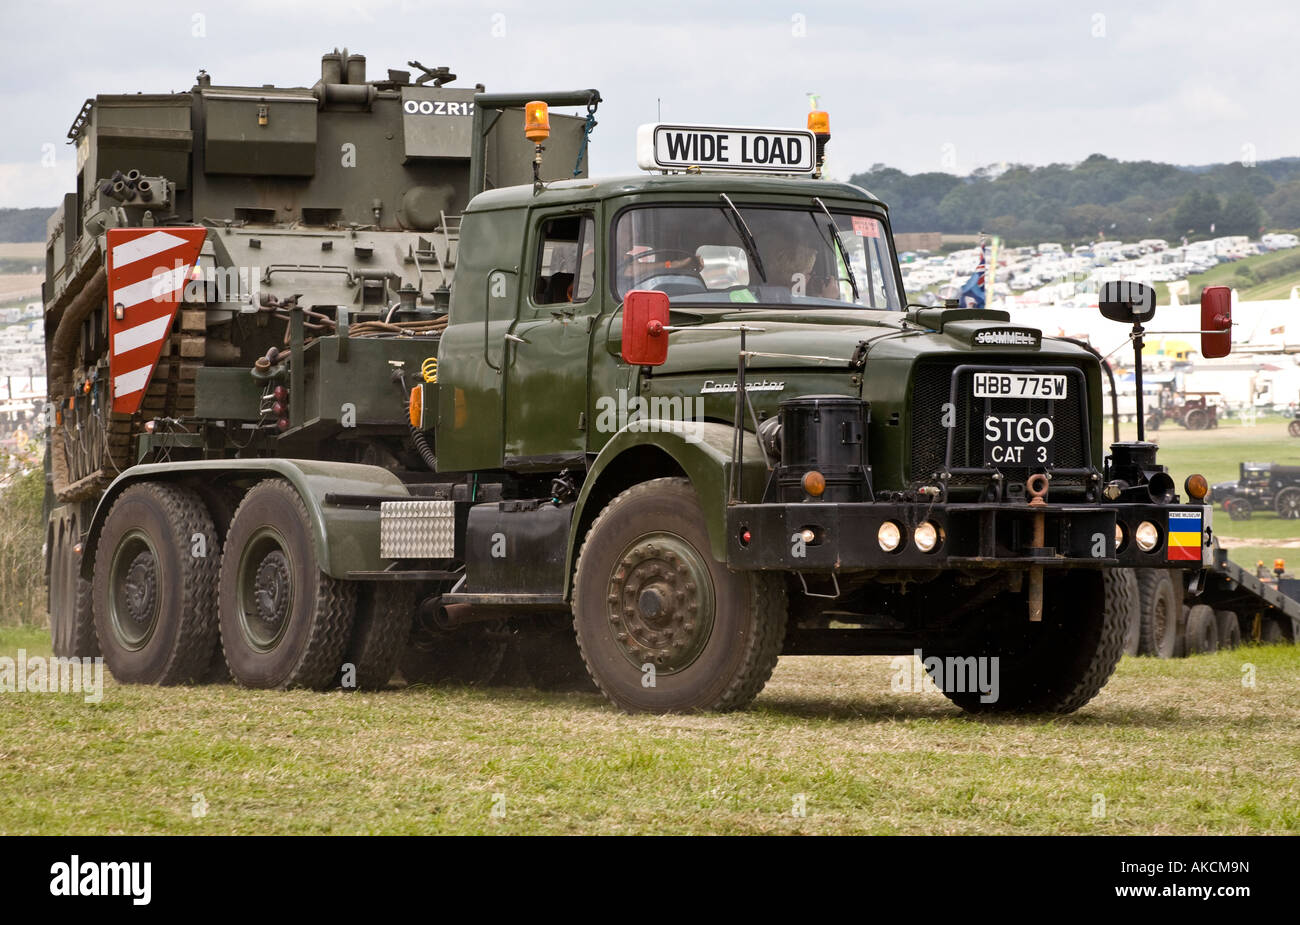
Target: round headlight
889, 536
926, 537
1147, 536
1119, 537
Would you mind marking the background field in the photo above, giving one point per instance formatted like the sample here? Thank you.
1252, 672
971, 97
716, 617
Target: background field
1168, 747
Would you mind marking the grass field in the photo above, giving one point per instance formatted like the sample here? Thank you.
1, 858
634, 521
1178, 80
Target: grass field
1169, 747
1176, 746
1271, 276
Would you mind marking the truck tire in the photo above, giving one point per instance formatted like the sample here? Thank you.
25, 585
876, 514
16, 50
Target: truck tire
1287, 503
1196, 419
1122, 596
1202, 631
154, 593
1055, 665
1229, 629
553, 661
662, 626
284, 622
72, 615
1159, 635
379, 632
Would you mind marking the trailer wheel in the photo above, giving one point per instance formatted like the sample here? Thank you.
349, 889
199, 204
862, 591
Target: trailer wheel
1055, 665
1159, 636
72, 614
663, 627
1229, 629
1271, 632
154, 586
380, 631
1202, 631
1237, 508
1122, 596
1287, 503
284, 622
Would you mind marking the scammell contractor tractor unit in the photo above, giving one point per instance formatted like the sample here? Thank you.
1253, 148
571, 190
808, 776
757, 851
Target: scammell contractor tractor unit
369, 376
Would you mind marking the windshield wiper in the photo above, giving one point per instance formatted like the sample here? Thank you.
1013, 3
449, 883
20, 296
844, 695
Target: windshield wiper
746, 236
839, 243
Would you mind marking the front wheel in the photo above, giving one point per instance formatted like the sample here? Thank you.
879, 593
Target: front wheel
1008, 664
1294, 428
284, 622
1237, 508
663, 626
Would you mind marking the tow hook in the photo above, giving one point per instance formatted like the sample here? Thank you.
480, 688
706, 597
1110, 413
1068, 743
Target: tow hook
1037, 485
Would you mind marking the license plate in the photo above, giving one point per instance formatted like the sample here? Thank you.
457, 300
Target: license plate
1019, 440
1020, 385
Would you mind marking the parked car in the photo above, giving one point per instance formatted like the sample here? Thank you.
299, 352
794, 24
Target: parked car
1260, 487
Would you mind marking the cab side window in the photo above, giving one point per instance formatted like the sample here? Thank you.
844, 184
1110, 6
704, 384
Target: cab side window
566, 270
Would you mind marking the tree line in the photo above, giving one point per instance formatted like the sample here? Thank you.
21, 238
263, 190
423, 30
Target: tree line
1098, 198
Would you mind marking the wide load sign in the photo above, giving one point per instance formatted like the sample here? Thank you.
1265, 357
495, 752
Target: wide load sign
661, 146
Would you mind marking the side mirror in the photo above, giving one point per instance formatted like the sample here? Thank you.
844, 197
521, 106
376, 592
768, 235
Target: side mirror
1131, 303
645, 317
1216, 321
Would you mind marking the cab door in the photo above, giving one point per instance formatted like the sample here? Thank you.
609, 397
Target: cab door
548, 350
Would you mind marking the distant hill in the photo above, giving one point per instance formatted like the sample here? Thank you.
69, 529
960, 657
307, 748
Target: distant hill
1097, 197
17, 225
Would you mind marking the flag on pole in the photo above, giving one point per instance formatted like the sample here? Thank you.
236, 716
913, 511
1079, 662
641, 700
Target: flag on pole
972, 294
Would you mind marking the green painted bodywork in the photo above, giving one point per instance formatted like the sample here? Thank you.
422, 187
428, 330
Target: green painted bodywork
537, 405
346, 537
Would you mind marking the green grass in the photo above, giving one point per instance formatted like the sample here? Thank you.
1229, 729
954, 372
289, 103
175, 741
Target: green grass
1173, 747
1272, 276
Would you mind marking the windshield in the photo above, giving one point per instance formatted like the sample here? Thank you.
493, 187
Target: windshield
787, 256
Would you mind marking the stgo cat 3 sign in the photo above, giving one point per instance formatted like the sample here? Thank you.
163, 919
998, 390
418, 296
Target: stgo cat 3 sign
716, 147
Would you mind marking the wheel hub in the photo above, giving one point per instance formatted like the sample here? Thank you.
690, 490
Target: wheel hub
660, 603
271, 594
134, 599
141, 588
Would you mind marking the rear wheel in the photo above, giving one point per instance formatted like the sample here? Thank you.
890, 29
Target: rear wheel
1196, 419
1202, 631
380, 631
1271, 632
1055, 665
1229, 629
1159, 634
154, 586
662, 626
284, 622
1287, 503
72, 616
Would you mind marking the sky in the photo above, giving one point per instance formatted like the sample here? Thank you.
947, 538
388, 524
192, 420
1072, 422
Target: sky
948, 86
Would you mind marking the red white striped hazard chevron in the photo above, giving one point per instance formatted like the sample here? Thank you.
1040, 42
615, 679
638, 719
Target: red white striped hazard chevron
147, 272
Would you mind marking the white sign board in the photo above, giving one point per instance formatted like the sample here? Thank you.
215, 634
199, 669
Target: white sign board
660, 146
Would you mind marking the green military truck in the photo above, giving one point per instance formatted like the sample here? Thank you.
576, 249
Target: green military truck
368, 376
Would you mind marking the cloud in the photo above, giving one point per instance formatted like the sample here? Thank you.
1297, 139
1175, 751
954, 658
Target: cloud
26, 186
